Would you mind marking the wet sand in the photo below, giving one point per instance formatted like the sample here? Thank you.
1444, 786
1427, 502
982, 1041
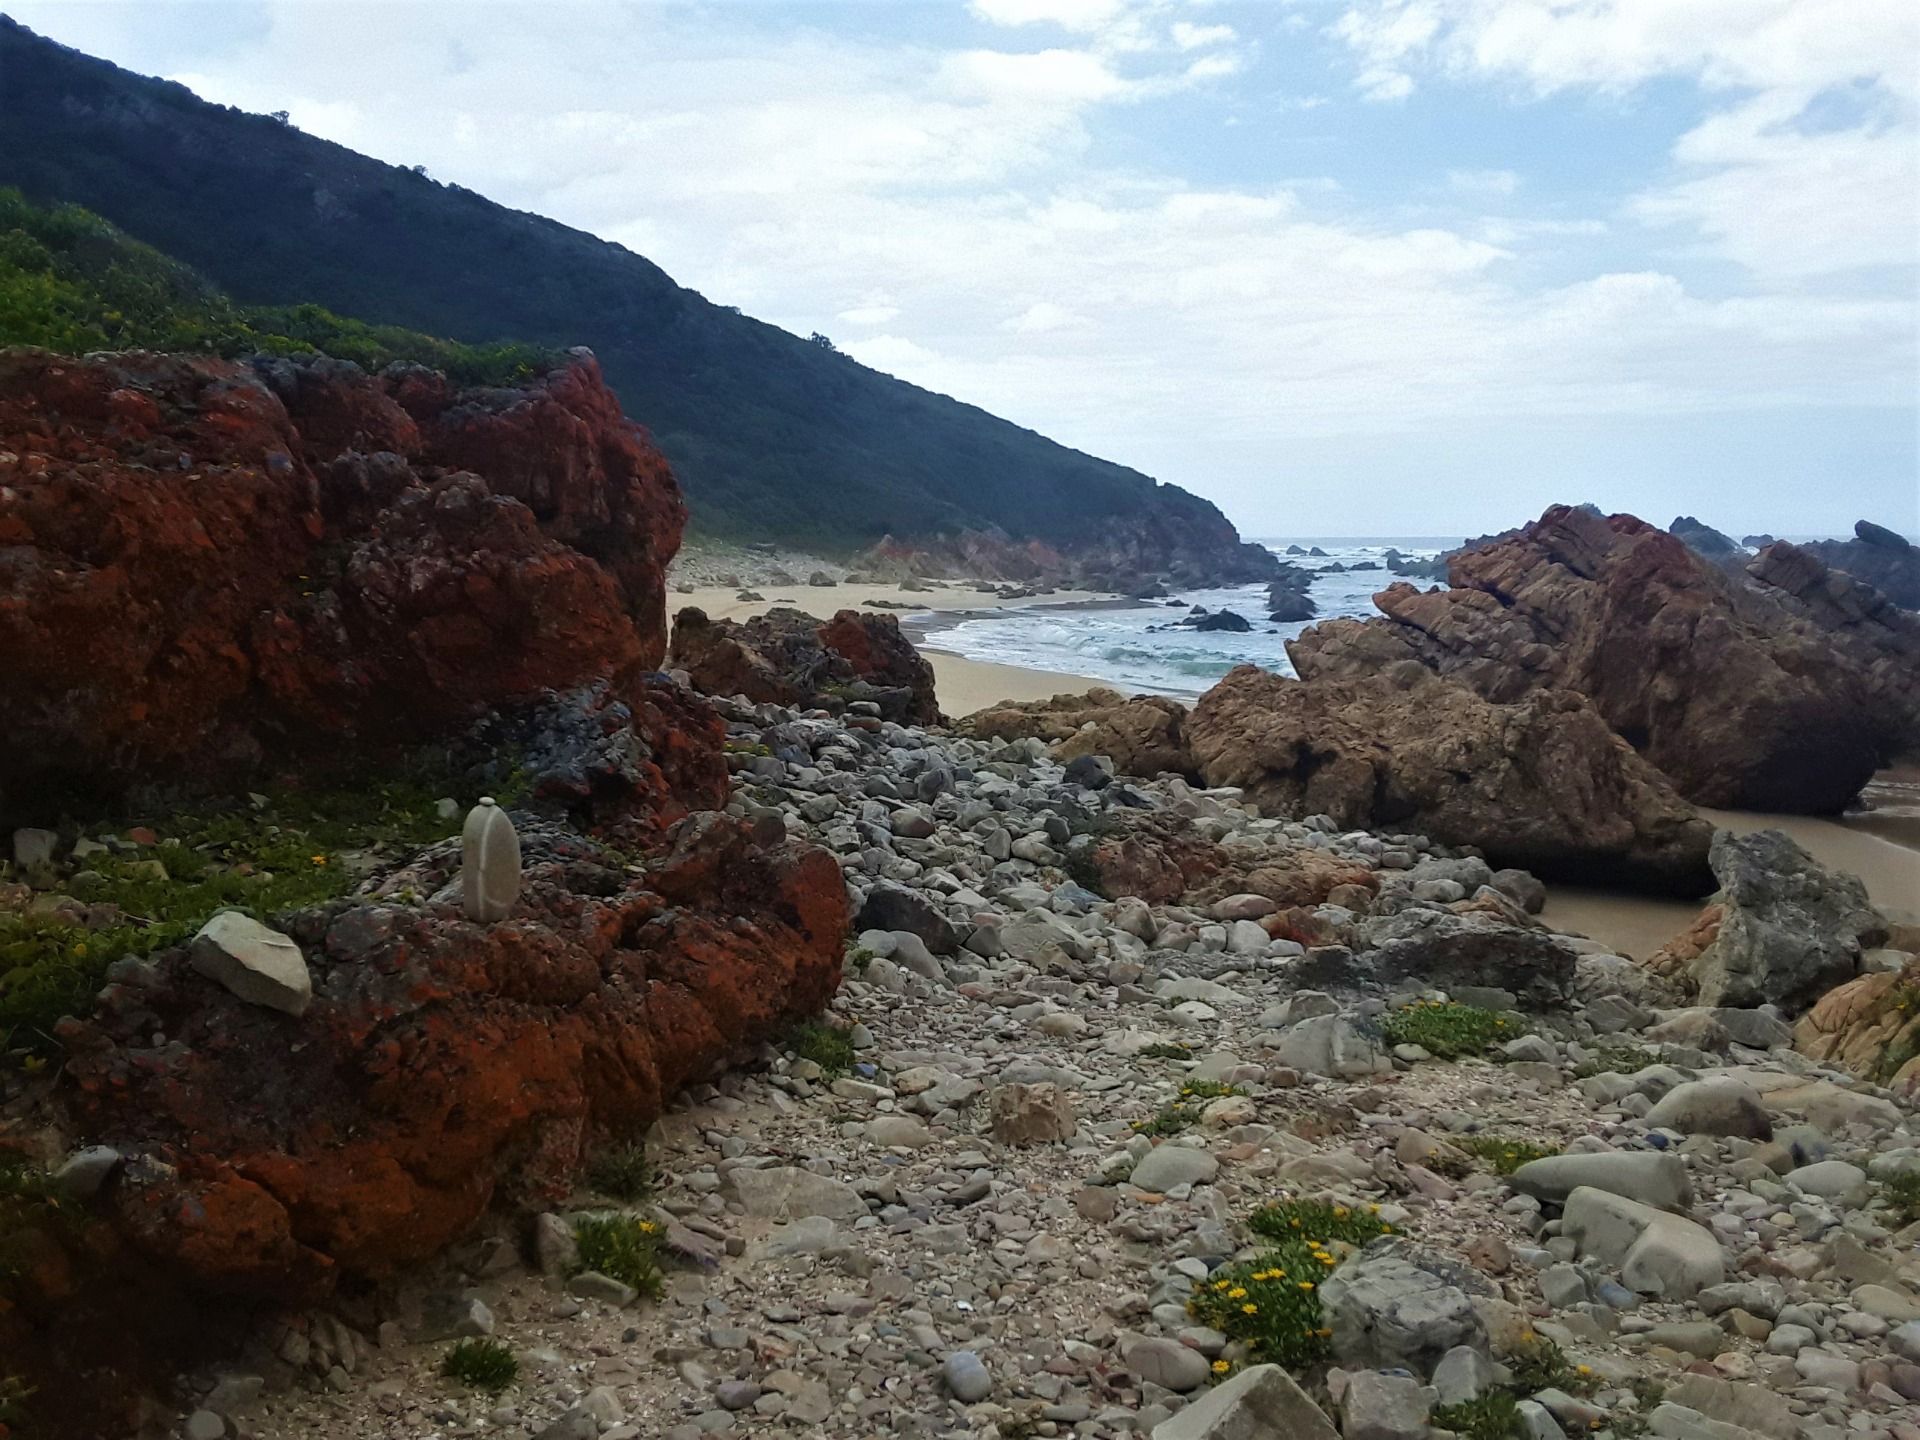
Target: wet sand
1881, 847
965, 686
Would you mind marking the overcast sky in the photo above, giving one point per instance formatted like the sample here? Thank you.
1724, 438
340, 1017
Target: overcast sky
1397, 267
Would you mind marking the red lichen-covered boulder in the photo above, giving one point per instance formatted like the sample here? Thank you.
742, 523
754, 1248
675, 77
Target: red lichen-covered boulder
202, 562
787, 657
1782, 687
442, 1063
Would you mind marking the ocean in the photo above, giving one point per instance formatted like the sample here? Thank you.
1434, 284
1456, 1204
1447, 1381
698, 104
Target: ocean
1129, 645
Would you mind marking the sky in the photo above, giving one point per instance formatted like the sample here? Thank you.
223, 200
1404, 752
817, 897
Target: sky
1409, 267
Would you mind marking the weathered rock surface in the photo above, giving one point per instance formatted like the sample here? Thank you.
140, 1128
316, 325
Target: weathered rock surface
786, 657
1139, 733
1790, 929
1398, 1304
1540, 783
1870, 1026
440, 1060
1262, 1402
201, 563
1776, 689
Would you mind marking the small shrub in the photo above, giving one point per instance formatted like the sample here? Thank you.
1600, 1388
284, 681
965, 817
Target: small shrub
1492, 1416
860, 957
621, 1247
1501, 1153
1446, 1030
1166, 1050
482, 1363
826, 1045
1901, 1195
1618, 1058
1168, 1120
1271, 1305
623, 1172
1317, 1221
1539, 1364
1208, 1090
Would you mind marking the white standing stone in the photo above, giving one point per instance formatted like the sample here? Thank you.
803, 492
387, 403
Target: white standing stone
489, 863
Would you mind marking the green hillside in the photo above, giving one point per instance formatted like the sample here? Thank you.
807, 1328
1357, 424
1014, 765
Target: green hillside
71, 282
772, 436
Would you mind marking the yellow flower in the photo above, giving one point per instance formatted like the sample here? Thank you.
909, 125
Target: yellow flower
1306, 1284
1326, 1260
1220, 1367
1583, 1369
1237, 1293
319, 859
1249, 1309
1339, 1212
1219, 1284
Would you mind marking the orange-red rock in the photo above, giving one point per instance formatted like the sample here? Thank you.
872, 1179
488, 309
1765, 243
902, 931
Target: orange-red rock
204, 562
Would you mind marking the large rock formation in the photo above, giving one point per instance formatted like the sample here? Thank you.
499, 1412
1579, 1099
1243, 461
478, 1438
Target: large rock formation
207, 567
201, 560
786, 657
1879, 557
1780, 690
1539, 783
440, 1061
1790, 929
1139, 733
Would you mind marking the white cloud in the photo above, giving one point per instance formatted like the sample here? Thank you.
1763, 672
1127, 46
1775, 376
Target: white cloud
1082, 15
1040, 317
1786, 203
1484, 182
872, 312
1068, 76
1188, 36
1758, 182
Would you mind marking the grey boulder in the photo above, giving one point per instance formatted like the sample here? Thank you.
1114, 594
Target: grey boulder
1260, 1403
1792, 930
1396, 1305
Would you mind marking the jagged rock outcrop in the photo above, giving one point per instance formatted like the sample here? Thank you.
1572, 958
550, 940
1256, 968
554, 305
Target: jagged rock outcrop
202, 562
1876, 556
1139, 733
787, 657
1869, 1026
1790, 929
1779, 689
1540, 783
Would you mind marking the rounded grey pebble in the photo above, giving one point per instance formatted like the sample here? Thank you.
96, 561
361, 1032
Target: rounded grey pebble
967, 1377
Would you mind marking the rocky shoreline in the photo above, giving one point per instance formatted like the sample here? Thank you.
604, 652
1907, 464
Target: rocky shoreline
768, 1054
